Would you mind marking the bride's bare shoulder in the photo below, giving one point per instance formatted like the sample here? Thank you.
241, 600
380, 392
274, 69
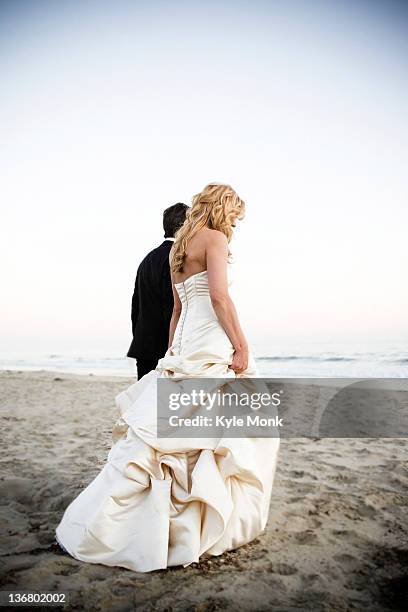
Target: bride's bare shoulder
213, 236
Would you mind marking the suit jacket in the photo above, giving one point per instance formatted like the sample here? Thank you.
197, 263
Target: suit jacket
152, 305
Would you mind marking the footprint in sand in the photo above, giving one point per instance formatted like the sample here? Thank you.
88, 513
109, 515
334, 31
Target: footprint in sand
306, 538
344, 559
299, 524
283, 569
301, 474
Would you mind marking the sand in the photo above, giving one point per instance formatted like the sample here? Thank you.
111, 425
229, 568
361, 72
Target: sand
336, 537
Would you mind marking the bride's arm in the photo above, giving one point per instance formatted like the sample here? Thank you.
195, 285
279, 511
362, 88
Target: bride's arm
217, 258
175, 315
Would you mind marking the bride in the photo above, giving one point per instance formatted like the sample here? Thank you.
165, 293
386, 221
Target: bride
164, 502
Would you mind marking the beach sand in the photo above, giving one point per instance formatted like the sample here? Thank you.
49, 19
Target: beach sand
337, 537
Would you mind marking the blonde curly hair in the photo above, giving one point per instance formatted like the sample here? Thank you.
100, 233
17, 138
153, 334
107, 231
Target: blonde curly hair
217, 206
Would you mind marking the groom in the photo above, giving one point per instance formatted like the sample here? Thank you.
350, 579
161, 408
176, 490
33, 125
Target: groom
152, 302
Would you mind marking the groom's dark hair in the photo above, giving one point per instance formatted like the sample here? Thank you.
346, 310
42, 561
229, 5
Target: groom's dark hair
173, 218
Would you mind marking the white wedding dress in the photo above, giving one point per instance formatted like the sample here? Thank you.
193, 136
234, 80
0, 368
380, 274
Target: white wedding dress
163, 502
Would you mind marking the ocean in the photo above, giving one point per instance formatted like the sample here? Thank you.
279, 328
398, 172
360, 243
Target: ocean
305, 360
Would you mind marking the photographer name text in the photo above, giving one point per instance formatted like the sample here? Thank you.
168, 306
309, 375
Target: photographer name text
226, 422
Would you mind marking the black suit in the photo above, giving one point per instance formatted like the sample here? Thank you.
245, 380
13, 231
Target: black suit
152, 305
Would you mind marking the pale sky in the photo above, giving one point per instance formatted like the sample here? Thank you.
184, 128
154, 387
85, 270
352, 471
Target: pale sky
112, 111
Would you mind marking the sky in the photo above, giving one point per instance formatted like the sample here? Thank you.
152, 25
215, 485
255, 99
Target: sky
112, 111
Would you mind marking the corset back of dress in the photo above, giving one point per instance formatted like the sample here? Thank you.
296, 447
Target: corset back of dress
195, 298
197, 314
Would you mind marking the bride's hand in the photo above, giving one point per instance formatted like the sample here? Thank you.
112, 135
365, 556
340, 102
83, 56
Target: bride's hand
240, 360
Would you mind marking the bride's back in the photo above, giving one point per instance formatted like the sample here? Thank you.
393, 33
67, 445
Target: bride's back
195, 260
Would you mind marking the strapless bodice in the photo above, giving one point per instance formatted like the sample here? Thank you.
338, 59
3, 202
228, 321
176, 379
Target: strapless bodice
198, 322
200, 345
195, 285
